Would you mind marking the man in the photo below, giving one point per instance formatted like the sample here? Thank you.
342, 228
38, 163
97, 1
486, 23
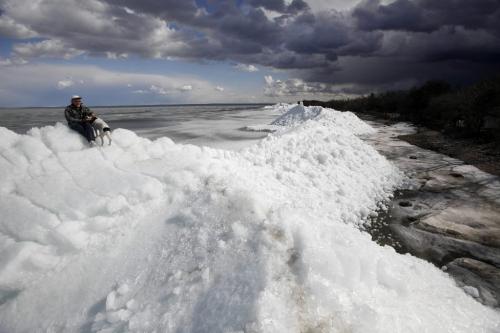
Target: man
76, 115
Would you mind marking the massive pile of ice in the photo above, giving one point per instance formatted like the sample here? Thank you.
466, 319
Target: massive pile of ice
152, 235
297, 114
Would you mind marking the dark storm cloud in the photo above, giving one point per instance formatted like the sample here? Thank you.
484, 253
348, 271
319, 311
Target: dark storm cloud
317, 34
399, 15
449, 39
254, 26
403, 41
449, 43
330, 35
427, 15
478, 14
290, 60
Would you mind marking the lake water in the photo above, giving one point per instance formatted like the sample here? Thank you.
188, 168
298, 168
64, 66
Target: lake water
212, 125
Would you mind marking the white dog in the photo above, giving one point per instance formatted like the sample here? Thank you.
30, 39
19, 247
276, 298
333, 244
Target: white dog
101, 129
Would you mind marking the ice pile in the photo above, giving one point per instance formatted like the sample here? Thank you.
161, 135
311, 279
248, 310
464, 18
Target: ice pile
149, 236
297, 114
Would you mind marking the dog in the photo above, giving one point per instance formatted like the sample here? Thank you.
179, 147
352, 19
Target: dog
101, 129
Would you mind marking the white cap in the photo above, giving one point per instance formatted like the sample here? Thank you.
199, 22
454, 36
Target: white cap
75, 97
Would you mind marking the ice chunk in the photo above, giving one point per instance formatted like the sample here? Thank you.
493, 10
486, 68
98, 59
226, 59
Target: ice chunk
471, 291
132, 305
116, 316
111, 301
123, 289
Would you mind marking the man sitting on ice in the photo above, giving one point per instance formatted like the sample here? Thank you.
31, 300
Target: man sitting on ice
77, 116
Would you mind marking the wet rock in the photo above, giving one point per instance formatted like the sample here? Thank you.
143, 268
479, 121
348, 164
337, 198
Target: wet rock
405, 204
476, 222
442, 180
483, 277
440, 249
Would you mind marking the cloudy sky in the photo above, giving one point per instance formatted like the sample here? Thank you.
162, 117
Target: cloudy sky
117, 52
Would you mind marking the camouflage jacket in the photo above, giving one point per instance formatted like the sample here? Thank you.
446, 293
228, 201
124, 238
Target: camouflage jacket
76, 115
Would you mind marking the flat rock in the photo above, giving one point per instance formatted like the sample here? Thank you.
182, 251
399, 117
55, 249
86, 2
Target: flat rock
483, 277
441, 249
476, 222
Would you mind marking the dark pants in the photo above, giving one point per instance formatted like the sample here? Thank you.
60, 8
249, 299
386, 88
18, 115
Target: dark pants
84, 129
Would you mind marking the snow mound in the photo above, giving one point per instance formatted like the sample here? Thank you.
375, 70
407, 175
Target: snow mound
146, 236
297, 114
344, 121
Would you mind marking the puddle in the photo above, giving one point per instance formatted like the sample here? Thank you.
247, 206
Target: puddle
379, 226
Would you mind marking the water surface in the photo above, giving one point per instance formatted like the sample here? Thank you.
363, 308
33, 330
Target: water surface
216, 125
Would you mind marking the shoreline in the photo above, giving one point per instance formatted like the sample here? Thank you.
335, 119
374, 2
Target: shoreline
448, 214
484, 156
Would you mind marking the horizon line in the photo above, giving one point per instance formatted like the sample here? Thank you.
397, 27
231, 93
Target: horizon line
137, 105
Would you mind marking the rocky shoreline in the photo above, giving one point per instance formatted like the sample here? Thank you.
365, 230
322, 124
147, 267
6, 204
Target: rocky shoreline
448, 214
483, 155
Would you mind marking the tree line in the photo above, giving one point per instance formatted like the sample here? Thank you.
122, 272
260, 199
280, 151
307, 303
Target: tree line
467, 111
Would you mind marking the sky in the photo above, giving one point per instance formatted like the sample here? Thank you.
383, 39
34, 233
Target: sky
128, 52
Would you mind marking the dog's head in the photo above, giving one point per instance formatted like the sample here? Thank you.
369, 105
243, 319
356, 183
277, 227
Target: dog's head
90, 118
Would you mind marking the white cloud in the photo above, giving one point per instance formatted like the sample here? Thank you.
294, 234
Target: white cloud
91, 26
158, 90
11, 28
12, 61
271, 15
246, 68
219, 88
30, 84
128, 10
114, 55
48, 48
269, 79
162, 90
186, 87
319, 6
5, 62
66, 83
